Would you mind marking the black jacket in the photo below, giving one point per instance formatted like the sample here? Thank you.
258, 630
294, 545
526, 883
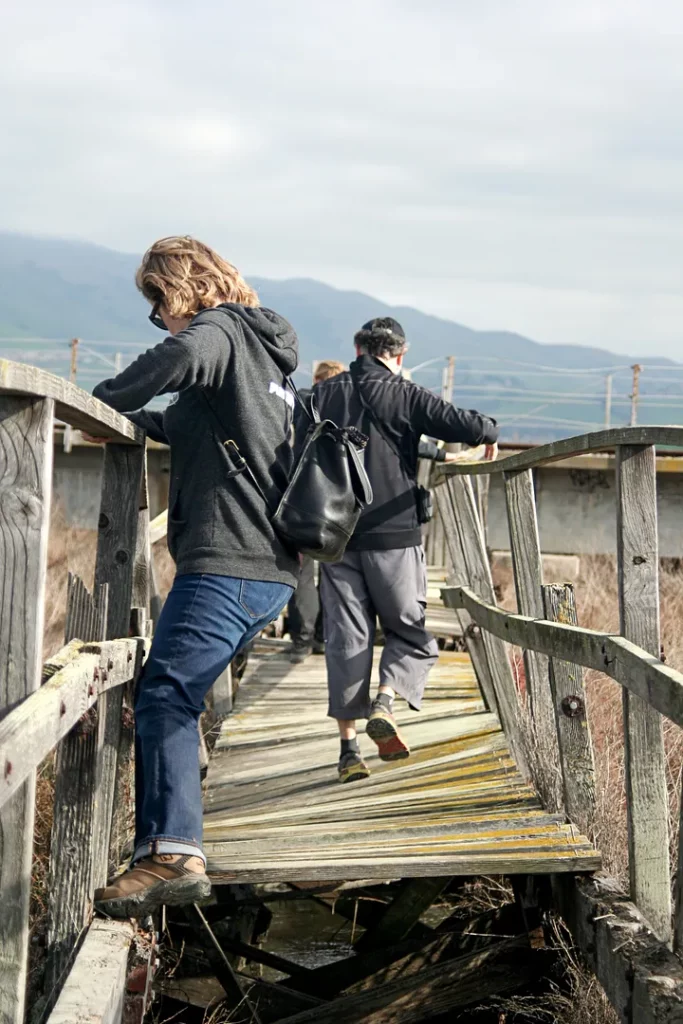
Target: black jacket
235, 358
406, 411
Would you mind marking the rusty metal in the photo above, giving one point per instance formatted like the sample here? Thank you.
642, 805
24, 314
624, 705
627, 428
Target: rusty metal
573, 706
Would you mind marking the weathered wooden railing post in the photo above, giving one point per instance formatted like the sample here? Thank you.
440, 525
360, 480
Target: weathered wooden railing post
25, 481
527, 568
123, 811
77, 768
116, 546
474, 639
645, 759
465, 522
573, 730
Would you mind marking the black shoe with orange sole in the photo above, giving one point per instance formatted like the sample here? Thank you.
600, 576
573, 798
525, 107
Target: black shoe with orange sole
383, 730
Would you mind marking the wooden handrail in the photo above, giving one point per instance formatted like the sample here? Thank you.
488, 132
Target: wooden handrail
74, 406
582, 444
636, 670
34, 728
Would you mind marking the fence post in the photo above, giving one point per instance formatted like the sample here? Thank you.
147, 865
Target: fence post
527, 569
573, 731
26, 455
478, 574
645, 761
76, 774
458, 577
123, 810
116, 547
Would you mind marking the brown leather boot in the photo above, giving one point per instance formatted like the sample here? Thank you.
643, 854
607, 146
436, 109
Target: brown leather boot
162, 879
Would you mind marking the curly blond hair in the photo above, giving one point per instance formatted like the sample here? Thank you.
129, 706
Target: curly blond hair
188, 276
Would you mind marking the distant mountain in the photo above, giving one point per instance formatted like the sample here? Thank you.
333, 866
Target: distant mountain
53, 289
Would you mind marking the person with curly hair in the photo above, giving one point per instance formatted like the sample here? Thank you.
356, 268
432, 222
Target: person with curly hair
226, 359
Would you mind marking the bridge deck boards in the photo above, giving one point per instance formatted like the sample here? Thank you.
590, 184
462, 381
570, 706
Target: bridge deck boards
274, 810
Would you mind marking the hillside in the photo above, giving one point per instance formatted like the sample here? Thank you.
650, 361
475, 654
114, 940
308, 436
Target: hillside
53, 289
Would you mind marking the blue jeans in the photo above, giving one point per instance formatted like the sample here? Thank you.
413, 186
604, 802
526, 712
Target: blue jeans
205, 621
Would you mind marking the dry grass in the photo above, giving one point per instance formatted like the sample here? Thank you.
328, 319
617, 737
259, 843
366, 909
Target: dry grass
598, 608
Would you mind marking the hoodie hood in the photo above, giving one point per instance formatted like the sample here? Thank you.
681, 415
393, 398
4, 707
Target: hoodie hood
272, 330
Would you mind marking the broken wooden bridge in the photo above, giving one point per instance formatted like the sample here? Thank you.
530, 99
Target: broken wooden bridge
500, 782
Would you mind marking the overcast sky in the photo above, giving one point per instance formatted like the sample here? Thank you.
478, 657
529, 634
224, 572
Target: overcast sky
507, 163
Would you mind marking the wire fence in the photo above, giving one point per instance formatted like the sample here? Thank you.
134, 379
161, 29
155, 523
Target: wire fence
526, 398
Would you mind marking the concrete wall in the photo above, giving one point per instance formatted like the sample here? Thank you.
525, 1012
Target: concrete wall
577, 511
77, 479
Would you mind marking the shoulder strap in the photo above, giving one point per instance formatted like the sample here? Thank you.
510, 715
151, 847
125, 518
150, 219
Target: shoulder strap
241, 464
410, 471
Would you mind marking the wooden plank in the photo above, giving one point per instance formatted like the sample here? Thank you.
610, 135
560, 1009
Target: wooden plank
116, 547
636, 670
95, 988
435, 990
527, 569
478, 571
35, 727
583, 444
25, 481
645, 758
222, 694
76, 407
403, 913
123, 808
220, 963
573, 729
471, 632
642, 979
76, 771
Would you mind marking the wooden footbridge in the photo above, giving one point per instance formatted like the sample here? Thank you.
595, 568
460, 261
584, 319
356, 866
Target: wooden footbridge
500, 782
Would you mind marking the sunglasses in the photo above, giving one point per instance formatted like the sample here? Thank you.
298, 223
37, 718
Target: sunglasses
155, 319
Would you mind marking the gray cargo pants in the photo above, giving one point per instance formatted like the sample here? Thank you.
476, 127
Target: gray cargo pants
365, 585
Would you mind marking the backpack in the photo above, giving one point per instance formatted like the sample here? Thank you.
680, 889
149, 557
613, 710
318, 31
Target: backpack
327, 491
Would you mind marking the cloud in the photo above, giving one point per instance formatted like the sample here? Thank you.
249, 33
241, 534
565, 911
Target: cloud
508, 165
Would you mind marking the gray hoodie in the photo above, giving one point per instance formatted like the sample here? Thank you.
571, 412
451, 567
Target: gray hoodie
236, 358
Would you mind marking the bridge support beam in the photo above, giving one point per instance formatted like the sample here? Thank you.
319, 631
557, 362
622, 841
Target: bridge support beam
25, 483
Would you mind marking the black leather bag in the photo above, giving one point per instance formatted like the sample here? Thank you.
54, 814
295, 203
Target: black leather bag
327, 491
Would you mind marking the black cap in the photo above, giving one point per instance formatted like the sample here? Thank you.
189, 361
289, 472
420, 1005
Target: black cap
384, 325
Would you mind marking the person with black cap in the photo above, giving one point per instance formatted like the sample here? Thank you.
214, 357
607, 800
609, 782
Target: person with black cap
383, 573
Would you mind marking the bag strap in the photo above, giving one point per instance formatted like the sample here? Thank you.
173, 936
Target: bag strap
241, 464
410, 472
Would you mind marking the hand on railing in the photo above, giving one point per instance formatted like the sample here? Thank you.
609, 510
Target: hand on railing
93, 440
482, 453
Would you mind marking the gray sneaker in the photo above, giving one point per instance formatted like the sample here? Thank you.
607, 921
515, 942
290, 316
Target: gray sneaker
352, 767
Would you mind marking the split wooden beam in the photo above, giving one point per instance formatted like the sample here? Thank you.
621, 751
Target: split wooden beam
26, 453
645, 757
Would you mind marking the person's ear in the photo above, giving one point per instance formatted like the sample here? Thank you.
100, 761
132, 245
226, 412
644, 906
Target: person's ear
399, 359
357, 350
